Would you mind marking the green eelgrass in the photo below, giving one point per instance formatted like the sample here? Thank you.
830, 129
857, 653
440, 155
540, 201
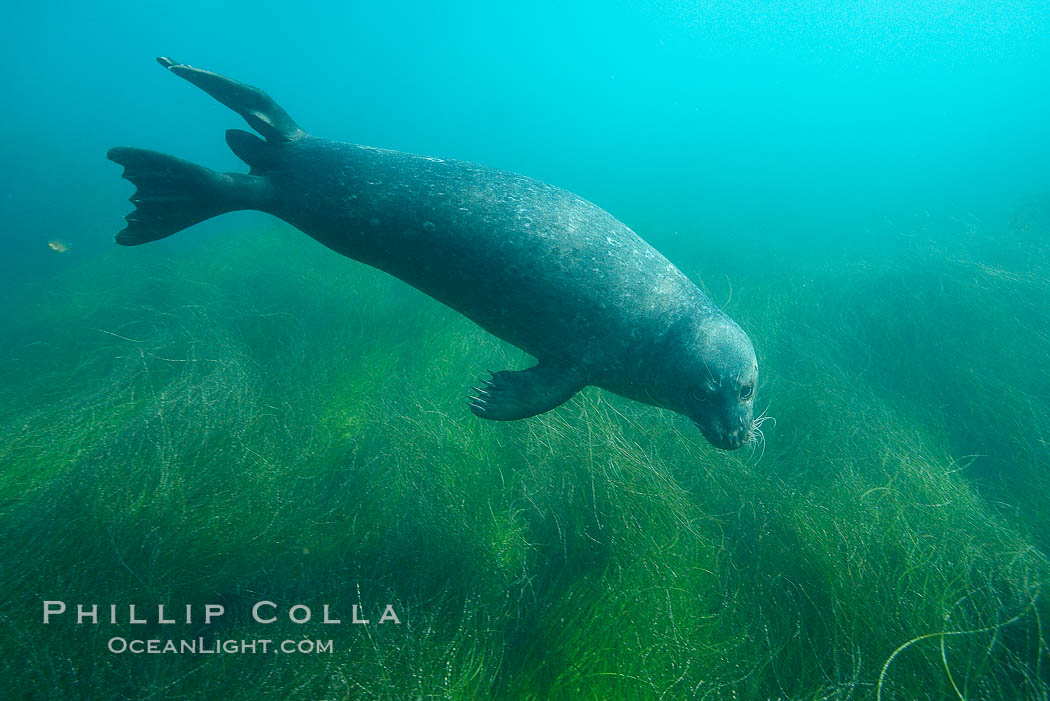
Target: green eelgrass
260, 419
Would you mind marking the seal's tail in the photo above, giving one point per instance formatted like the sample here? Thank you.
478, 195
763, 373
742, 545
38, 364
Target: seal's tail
172, 194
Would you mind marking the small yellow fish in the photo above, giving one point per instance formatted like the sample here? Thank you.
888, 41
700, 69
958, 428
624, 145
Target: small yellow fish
59, 246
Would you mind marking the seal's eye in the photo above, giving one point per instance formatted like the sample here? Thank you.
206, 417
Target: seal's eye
746, 391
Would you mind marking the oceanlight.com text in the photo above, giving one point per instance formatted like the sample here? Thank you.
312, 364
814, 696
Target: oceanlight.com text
200, 646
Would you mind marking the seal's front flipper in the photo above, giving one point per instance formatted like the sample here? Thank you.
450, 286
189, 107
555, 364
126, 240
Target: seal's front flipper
258, 109
172, 194
511, 395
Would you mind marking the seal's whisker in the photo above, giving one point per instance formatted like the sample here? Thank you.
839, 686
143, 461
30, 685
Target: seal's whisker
764, 413
753, 442
756, 437
762, 419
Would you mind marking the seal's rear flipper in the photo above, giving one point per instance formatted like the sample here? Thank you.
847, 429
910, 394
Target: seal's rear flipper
512, 395
172, 194
258, 109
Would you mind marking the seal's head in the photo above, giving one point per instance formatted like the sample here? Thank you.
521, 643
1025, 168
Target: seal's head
718, 379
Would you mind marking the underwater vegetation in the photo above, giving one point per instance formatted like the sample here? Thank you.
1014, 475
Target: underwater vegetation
254, 418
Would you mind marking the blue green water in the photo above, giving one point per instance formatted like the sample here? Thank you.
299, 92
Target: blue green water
762, 121
235, 413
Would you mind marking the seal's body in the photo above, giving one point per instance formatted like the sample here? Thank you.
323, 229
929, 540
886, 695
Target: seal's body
531, 263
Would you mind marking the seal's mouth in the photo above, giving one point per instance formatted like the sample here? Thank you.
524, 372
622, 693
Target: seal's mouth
724, 440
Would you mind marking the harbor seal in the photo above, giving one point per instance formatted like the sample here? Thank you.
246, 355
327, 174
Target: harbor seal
533, 264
